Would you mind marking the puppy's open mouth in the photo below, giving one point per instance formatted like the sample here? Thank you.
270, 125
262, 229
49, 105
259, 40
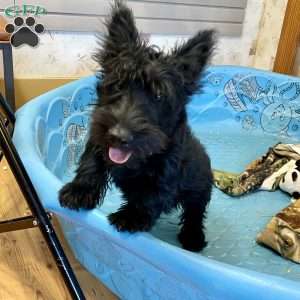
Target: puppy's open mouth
119, 156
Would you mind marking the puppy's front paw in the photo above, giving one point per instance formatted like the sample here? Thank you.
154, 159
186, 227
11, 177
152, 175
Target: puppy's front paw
192, 240
131, 221
75, 196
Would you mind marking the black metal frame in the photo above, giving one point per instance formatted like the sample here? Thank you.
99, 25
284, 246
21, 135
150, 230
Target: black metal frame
9, 114
40, 218
8, 73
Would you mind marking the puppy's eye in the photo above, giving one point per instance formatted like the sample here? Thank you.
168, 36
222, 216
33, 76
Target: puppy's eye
159, 97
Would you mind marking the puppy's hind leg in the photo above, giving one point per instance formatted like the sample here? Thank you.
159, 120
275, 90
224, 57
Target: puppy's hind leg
191, 235
89, 186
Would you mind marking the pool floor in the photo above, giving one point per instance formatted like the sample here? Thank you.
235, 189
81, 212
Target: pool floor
232, 224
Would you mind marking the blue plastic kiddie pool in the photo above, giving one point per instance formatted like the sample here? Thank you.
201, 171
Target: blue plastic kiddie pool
239, 114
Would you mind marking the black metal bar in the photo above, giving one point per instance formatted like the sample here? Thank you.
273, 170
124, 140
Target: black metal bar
18, 224
39, 212
9, 118
8, 73
7, 110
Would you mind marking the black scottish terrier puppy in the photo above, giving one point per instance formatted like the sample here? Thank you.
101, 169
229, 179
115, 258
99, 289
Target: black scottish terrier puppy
139, 137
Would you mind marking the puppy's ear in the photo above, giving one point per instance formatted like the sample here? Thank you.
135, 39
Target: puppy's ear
192, 56
122, 35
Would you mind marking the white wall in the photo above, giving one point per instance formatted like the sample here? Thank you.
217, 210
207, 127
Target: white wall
269, 33
69, 54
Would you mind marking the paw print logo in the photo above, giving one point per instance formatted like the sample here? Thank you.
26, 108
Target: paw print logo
24, 33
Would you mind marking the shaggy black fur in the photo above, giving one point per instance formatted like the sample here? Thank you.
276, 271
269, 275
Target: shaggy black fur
142, 112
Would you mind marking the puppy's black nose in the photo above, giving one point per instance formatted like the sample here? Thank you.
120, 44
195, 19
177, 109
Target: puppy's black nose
120, 135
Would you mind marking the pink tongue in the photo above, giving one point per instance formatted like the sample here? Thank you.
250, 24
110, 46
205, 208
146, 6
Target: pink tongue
118, 156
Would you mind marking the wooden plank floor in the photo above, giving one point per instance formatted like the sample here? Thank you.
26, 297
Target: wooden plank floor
27, 269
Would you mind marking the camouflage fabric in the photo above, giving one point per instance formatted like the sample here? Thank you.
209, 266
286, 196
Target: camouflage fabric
269, 172
253, 176
291, 151
282, 234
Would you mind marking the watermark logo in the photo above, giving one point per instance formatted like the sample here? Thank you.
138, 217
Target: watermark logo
24, 29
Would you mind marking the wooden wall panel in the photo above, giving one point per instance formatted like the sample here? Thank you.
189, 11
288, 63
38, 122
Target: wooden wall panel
289, 39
